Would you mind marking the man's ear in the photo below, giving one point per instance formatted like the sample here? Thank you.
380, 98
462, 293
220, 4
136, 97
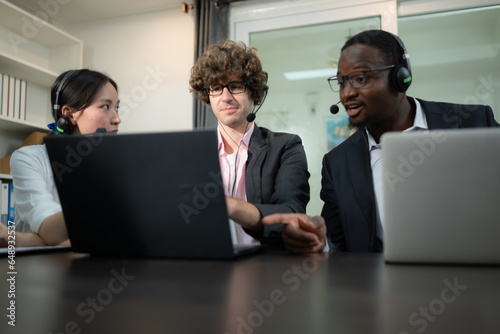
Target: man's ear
70, 113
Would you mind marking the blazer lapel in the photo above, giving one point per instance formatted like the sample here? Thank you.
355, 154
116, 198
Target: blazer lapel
256, 153
358, 159
441, 118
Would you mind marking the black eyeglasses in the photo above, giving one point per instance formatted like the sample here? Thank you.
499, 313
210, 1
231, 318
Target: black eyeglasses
357, 79
235, 87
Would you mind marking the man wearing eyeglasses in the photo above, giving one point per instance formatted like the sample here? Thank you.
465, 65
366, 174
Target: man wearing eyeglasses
263, 172
373, 75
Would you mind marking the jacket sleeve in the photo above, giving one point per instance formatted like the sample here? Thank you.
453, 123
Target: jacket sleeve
330, 212
490, 117
291, 187
284, 184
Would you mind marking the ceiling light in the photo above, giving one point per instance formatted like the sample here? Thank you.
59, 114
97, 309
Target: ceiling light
310, 74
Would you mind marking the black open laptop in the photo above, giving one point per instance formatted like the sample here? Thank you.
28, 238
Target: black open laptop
154, 194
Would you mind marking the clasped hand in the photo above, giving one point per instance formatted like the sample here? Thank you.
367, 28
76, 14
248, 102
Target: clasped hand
301, 233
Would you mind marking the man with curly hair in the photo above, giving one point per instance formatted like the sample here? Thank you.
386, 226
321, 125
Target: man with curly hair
263, 172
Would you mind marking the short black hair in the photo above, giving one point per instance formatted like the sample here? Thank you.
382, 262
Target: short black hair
382, 40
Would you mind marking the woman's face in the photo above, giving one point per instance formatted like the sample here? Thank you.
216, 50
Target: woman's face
101, 113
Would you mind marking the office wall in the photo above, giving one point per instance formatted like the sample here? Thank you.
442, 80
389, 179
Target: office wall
149, 56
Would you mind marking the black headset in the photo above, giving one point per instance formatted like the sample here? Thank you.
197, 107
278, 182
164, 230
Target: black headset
251, 116
63, 123
401, 75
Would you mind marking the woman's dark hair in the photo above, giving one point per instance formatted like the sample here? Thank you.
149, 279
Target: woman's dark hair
77, 89
219, 62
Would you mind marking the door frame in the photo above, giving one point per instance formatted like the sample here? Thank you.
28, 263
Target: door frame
250, 19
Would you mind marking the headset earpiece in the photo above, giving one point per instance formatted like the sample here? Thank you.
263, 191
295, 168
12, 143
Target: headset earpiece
64, 125
401, 75
401, 78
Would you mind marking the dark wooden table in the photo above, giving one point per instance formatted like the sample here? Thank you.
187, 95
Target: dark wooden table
264, 293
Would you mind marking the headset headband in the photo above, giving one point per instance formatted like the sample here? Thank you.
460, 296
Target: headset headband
56, 105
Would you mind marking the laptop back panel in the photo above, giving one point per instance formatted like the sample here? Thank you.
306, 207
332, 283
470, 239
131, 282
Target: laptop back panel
442, 196
154, 194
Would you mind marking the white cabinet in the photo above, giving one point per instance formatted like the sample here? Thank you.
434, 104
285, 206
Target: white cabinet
36, 52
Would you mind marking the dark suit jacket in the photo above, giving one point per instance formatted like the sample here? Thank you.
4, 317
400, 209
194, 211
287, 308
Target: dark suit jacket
276, 176
347, 186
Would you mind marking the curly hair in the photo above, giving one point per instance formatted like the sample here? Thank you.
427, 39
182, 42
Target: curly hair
221, 62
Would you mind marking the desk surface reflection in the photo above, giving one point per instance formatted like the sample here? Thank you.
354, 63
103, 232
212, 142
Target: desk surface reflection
269, 292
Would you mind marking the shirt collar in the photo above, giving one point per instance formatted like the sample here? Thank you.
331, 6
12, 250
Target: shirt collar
372, 144
420, 123
245, 140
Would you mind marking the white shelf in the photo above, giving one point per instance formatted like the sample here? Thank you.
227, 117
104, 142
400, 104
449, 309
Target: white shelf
37, 52
20, 126
32, 42
30, 26
33, 48
27, 71
5, 177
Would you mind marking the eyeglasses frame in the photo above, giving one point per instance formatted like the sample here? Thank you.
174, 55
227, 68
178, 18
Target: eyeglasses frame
246, 84
335, 77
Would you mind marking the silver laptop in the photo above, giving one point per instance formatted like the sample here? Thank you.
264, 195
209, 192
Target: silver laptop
151, 195
442, 196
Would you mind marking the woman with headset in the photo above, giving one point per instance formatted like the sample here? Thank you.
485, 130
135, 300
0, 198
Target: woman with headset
83, 101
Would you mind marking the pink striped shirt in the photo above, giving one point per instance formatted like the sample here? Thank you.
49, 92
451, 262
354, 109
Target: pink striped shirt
232, 169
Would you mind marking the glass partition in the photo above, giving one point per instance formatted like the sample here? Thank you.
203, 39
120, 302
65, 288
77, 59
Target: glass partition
455, 55
298, 61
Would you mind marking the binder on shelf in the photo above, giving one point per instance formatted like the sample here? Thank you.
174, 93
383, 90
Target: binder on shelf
10, 99
5, 93
17, 98
4, 203
22, 106
2, 99
13, 96
12, 208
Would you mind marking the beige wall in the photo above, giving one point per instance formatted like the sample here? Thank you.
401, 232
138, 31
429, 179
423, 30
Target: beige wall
149, 56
